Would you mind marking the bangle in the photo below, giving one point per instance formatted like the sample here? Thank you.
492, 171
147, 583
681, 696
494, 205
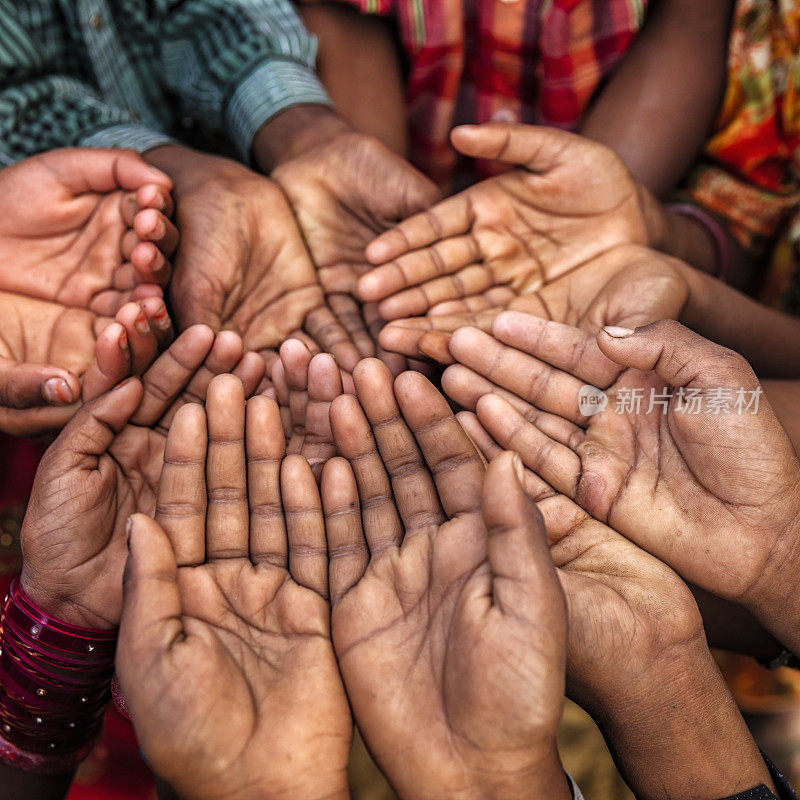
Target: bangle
721, 241
54, 686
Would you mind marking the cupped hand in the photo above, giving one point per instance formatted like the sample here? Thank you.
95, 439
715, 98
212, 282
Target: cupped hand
106, 465
52, 357
686, 459
569, 201
448, 621
84, 227
225, 637
626, 287
242, 263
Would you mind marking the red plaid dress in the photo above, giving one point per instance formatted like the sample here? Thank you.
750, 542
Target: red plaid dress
472, 61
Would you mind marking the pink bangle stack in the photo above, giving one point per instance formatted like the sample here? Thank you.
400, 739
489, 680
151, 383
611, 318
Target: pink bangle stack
54, 685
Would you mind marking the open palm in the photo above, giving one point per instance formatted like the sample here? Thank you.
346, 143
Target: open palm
105, 466
226, 612
569, 201
452, 690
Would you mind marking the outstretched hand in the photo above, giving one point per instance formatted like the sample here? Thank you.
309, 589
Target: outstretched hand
225, 636
448, 621
568, 201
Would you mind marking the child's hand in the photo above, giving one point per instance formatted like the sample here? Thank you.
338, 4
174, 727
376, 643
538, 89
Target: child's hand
53, 357
626, 286
448, 620
225, 657
570, 201
84, 227
106, 465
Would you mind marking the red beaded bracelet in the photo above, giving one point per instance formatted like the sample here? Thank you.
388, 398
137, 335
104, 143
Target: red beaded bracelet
54, 686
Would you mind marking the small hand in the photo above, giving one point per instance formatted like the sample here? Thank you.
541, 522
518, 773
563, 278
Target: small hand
84, 227
242, 263
106, 465
569, 201
624, 287
225, 637
52, 357
448, 621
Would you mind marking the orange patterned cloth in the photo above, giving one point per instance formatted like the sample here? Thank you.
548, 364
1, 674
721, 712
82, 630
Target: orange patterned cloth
750, 170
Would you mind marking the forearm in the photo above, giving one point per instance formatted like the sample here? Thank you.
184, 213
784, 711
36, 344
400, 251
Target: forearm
660, 104
359, 65
676, 733
768, 339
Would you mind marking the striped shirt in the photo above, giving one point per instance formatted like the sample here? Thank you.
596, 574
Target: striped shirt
129, 73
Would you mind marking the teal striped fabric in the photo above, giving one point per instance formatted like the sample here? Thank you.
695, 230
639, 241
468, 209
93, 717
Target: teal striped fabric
127, 73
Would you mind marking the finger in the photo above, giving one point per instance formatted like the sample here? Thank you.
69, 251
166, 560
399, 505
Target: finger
147, 265
677, 355
228, 514
412, 484
281, 387
155, 196
534, 147
535, 487
168, 376
158, 318
324, 386
105, 170
404, 336
395, 362
251, 371
142, 343
554, 463
466, 388
265, 451
151, 610
456, 467
225, 354
537, 383
305, 526
436, 346
111, 364
355, 442
25, 386
494, 299
348, 312
420, 299
449, 218
328, 333
182, 500
295, 358
562, 346
348, 555
523, 574
94, 426
152, 226
444, 258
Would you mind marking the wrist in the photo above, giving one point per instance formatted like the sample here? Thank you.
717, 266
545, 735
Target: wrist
676, 731
293, 133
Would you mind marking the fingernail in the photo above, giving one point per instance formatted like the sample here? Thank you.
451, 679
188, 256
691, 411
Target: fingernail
518, 468
128, 528
162, 319
57, 391
141, 323
123, 340
158, 230
618, 333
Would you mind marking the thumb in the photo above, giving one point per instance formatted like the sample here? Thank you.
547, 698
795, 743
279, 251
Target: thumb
533, 147
24, 385
523, 574
94, 426
84, 170
679, 356
151, 609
